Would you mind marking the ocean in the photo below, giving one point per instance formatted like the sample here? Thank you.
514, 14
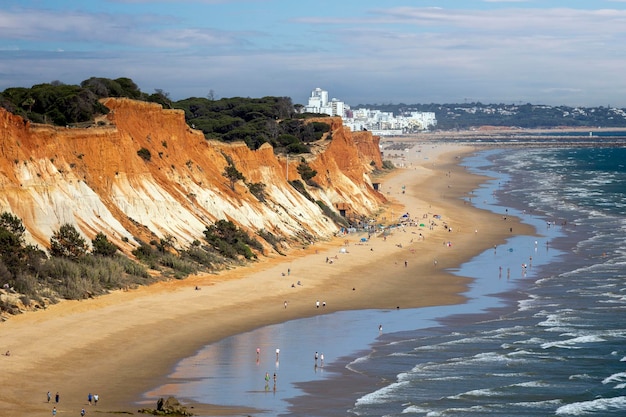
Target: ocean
542, 333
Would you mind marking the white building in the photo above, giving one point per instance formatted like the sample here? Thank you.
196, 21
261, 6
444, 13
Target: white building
379, 123
318, 103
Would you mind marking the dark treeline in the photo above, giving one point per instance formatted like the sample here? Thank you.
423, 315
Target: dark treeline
276, 120
273, 120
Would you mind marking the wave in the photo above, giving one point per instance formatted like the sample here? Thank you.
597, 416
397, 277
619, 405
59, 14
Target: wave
382, 395
617, 377
571, 343
592, 407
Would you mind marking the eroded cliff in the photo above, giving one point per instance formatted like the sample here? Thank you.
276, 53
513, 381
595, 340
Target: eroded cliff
94, 179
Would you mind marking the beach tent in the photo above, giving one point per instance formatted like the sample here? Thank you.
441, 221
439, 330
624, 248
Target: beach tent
363, 239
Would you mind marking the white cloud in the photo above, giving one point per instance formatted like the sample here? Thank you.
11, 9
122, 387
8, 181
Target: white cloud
108, 30
400, 54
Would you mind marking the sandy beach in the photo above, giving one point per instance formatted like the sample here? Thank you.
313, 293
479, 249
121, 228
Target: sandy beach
120, 345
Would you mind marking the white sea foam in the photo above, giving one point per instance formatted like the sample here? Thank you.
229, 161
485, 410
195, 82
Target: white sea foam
511, 375
580, 377
465, 340
539, 404
382, 395
618, 377
592, 407
459, 411
485, 392
523, 352
493, 357
515, 330
564, 320
571, 343
414, 409
446, 378
401, 354
359, 360
531, 384
525, 305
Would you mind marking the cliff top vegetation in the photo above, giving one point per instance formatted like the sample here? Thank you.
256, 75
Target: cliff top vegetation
255, 121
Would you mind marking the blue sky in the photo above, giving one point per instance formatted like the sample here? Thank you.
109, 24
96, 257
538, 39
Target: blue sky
569, 52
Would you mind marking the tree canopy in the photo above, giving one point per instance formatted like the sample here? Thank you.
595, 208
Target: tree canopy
255, 121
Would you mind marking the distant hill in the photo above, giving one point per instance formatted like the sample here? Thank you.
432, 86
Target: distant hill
528, 116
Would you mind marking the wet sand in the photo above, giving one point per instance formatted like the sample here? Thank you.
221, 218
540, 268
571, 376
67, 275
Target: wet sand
125, 343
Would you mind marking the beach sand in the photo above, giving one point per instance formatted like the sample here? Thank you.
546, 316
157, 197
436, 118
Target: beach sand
122, 344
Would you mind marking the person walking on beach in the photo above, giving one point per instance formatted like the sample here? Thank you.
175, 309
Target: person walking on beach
89, 398
56, 398
96, 397
49, 396
82, 412
54, 411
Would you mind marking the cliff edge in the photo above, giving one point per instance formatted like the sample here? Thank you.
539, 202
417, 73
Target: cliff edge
94, 179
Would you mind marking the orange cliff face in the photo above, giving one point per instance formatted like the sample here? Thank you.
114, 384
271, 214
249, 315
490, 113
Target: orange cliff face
94, 179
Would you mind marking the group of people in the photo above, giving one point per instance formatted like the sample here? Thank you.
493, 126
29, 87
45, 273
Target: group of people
57, 397
317, 304
321, 359
91, 399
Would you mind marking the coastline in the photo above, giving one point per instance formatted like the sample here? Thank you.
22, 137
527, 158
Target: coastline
122, 344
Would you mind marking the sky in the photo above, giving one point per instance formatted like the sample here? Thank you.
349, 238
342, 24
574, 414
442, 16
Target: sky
553, 52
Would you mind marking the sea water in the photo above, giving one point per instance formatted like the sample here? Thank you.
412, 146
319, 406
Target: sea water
542, 334
560, 347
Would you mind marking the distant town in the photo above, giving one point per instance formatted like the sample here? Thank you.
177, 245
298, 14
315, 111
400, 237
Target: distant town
379, 122
397, 119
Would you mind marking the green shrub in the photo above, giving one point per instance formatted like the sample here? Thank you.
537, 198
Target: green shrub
202, 256
257, 189
305, 171
178, 265
68, 243
299, 186
102, 246
272, 239
230, 241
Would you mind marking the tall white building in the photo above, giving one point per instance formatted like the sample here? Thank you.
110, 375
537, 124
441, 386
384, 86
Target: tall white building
318, 103
380, 123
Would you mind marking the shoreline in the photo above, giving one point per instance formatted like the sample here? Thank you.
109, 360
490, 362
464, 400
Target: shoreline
122, 344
